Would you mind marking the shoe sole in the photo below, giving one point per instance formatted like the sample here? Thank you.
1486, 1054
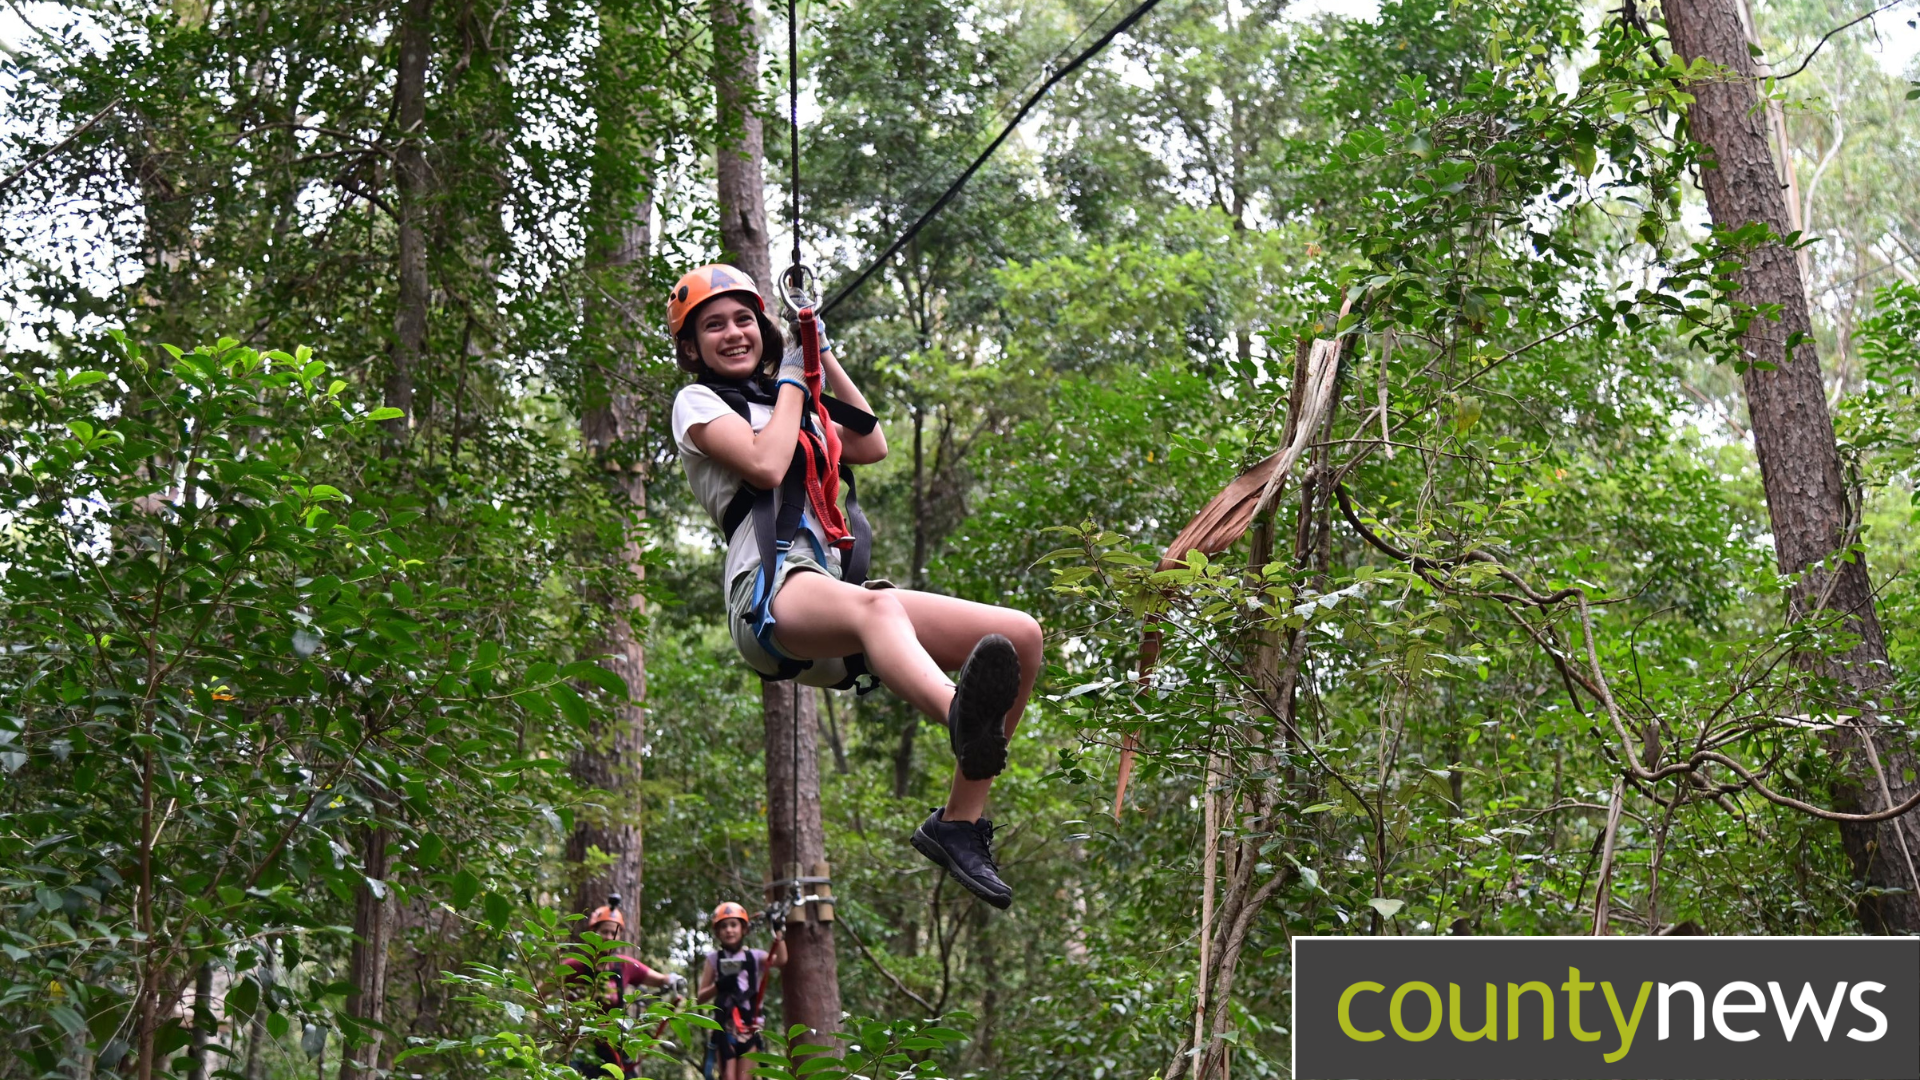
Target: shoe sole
928, 846
986, 688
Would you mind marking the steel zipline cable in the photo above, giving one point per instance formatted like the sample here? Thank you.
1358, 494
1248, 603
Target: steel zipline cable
793, 130
959, 182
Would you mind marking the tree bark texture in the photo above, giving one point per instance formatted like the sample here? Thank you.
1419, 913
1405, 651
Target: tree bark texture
740, 160
413, 181
1808, 503
610, 762
1251, 792
205, 1024
257, 1034
367, 965
810, 983
613, 424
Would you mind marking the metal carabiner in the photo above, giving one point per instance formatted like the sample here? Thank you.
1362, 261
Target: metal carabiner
795, 295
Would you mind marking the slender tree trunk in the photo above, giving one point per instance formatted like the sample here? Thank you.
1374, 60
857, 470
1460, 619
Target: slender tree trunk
613, 424
1273, 669
1808, 502
810, 983
831, 729
413, 182
257, 1034
203, 1022
469, 231
367, 965
903, 755
740, 160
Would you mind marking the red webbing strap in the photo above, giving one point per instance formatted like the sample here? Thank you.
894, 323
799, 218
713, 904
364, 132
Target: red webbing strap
823, 449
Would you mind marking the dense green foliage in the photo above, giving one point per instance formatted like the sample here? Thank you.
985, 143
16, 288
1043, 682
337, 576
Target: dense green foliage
264, 655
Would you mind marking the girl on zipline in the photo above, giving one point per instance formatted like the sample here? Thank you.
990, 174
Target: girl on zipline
758, 440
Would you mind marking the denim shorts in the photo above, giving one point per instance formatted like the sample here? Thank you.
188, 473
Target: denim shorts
828, 672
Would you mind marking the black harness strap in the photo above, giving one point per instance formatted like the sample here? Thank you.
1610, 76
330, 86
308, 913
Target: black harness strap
777, 513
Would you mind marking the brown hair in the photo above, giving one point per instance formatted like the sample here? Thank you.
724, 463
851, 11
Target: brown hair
686, 354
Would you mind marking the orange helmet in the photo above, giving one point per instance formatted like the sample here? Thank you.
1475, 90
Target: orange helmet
730, 910
703, 284
603, 913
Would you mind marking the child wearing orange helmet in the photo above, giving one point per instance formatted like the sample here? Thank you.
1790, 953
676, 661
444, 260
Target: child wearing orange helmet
734, 978
737, 428
616, 975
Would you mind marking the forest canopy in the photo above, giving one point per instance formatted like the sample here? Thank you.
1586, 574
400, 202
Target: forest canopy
1463, 459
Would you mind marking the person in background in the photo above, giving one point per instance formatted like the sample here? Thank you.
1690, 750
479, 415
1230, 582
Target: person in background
734, 978
618, 975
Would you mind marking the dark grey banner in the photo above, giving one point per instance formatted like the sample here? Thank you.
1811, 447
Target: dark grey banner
1650, 1008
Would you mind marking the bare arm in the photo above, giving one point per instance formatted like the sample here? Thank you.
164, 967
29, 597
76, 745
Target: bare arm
854, 449
705, 992
777, 956
760, 457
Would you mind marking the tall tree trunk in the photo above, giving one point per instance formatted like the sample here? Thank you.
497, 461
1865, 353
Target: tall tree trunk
1807, 499
204, 1024
413, 181
367, 966
810, 983
903, 755
1254, 785
613, 424
740, 159
469, 230
257, 1034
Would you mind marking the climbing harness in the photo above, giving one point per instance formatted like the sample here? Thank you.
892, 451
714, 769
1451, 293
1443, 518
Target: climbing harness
780, 515
729, 1000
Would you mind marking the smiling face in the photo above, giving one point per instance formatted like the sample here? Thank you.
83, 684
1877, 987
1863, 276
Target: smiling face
730, 931
726, 336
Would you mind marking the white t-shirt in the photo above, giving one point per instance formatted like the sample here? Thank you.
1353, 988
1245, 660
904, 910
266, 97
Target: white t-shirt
714, 484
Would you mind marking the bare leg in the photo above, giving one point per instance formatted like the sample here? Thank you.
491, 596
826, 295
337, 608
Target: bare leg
911, 640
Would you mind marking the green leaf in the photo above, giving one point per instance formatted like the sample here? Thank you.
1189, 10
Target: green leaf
1387, 908
499, 910
1584, 158
588, 671
242, 998
68, 1018
466, 886
572, 705
385, 412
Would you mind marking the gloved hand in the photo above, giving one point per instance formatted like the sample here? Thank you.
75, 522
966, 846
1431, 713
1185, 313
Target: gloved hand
677, 983
793, 365
820, 325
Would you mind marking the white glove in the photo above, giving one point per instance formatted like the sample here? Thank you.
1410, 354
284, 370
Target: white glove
677, 983
793, 365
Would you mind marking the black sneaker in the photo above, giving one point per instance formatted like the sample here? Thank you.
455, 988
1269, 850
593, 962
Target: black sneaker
977, 718
965, 850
